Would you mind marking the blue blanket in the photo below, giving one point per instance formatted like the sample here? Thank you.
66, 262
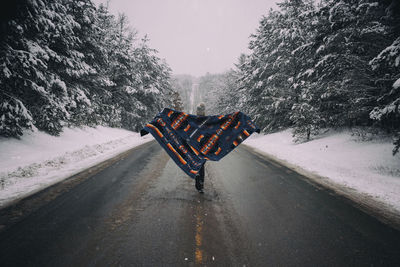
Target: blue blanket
190, 140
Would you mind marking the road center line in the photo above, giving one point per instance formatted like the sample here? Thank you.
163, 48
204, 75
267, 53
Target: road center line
199, 235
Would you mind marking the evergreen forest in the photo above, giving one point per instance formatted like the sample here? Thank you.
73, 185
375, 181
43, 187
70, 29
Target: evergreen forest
70, 63
312, 66
315, 66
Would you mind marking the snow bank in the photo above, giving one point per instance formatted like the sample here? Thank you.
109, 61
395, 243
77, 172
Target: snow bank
365, 166
39, 160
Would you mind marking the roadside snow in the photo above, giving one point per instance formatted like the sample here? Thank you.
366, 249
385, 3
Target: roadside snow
366, 166
39, 160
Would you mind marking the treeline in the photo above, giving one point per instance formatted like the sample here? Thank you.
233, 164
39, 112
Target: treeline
69, 63
182, 84
326, 65
219, 92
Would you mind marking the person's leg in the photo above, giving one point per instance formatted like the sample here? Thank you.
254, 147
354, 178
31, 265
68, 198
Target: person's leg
200, 180
202, 176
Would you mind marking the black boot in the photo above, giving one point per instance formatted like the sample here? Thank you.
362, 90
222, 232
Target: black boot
199, 184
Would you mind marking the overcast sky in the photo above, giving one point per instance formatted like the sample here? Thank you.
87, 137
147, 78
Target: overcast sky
195, 36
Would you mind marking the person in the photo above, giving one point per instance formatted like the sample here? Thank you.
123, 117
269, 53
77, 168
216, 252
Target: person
199, 184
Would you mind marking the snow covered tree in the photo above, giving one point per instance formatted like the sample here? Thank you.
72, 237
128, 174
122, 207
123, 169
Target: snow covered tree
26, 52
386, 67
388, 111
176, 101
152, 76
210, 89
134, 82
306, 118
310, 65
81, 81
271, 70
69, 63
183, 85
14, 118
349, 34
229, 98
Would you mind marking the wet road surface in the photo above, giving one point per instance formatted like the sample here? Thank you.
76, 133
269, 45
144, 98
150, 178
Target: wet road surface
142, 210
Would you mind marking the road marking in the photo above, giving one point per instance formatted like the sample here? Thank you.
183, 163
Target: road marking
199, 236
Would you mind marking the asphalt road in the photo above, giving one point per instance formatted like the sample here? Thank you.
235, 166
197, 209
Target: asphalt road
142, 210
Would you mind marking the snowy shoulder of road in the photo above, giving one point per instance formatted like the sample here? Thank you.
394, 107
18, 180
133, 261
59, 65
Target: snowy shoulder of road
365, 166
39, 160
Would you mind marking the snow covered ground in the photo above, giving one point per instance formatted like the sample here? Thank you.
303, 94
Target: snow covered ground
365, 166
39, 160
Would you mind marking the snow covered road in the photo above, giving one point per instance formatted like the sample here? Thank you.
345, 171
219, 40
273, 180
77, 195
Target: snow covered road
140, 209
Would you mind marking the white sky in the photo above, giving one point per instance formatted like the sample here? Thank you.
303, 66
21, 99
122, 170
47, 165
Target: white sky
195, 36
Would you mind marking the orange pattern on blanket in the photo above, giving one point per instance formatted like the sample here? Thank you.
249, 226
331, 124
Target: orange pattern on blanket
176, 153
155, 129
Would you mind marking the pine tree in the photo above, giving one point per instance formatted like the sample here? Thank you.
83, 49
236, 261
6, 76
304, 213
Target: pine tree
27, 51
82, 82
153, 80
176, 101
271, 70
69, 63
229, 97
183, 85
385, 65
349, 33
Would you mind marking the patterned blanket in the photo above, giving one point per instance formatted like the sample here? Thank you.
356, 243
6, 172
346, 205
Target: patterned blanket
190, 140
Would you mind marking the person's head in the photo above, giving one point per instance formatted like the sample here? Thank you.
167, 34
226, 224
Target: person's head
201, 109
